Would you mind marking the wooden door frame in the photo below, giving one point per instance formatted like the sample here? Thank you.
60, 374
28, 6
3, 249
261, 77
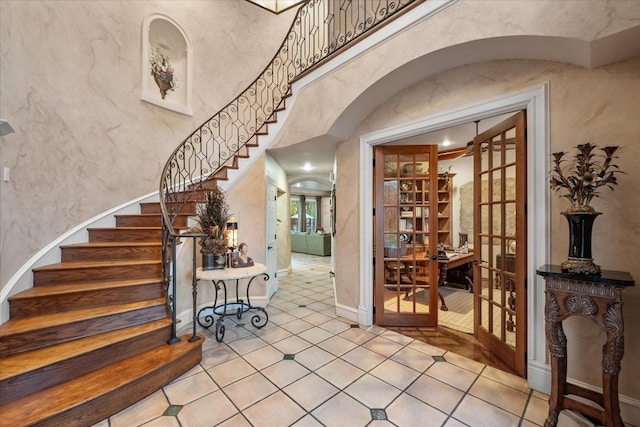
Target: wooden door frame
535, 101
272, 283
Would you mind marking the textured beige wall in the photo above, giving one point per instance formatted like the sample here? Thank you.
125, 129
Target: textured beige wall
597, 105
70, 87
248, 201
283, 228
69, 78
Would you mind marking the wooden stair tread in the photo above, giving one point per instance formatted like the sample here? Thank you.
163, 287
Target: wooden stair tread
33, 359
79, 287
71, 265
94, 385
127, 228
112, 244
17, 326
149, 215
140, 214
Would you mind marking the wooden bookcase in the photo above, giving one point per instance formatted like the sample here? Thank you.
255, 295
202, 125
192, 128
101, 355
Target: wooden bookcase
413, 203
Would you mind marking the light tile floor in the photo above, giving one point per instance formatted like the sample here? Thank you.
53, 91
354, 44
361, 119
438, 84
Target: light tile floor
308, 367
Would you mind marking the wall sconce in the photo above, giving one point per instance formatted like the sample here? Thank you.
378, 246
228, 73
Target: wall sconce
232, 233
5, 128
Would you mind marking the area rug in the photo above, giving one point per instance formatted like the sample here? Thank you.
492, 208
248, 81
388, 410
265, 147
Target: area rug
460, 313
459, 301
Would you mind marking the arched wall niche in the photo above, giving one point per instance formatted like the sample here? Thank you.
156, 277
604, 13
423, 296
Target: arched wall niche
167, 64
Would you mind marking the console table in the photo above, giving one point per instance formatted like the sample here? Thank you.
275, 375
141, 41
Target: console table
238, 305
599, 299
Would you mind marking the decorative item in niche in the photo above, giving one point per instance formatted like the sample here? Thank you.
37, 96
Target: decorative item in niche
166, 64
580, 180
162, 71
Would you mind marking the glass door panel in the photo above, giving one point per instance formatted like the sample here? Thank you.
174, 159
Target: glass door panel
500, 222
403, 270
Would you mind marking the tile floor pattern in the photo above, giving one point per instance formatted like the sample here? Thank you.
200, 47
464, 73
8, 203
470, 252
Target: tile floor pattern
309, 367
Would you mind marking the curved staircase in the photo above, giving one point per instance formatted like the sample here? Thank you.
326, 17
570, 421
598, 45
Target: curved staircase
90, 338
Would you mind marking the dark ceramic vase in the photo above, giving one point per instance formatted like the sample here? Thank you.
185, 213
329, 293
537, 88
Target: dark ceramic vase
580, 232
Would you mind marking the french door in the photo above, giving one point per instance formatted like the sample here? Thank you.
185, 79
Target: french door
406, 235
500, 240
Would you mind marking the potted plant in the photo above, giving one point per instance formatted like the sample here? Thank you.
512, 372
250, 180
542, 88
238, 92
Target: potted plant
212, 217
580, 180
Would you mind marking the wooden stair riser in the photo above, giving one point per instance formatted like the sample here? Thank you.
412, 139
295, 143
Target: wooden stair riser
112, 253
95, 396
32, 381
154, 208
52, 334
126, 234
199, 195
121, 397
64, 276
48, 303
149, 220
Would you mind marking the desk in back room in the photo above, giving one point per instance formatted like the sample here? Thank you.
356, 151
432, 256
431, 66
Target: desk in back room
455, 261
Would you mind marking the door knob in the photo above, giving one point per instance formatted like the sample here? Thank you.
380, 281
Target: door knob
269, 247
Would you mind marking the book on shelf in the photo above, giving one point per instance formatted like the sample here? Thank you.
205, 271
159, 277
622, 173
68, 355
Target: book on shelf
406, 214
405, 225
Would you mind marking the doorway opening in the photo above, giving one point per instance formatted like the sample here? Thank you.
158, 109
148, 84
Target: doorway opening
534, 102
422, 262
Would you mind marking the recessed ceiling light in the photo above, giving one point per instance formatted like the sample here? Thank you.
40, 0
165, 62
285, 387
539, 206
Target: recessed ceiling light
446, 143
307, 166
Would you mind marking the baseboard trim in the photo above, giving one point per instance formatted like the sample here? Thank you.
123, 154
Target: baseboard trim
285, 272
539, 376
347, 312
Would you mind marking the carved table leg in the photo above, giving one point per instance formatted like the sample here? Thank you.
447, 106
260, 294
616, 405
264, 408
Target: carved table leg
558, 352
612, 352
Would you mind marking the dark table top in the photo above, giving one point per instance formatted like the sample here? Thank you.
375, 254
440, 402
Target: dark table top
610, 277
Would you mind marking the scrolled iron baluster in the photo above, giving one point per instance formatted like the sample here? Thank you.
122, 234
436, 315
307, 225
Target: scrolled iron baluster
320, 29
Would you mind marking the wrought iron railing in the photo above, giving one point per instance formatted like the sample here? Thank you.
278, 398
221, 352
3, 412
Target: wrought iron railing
320, 29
